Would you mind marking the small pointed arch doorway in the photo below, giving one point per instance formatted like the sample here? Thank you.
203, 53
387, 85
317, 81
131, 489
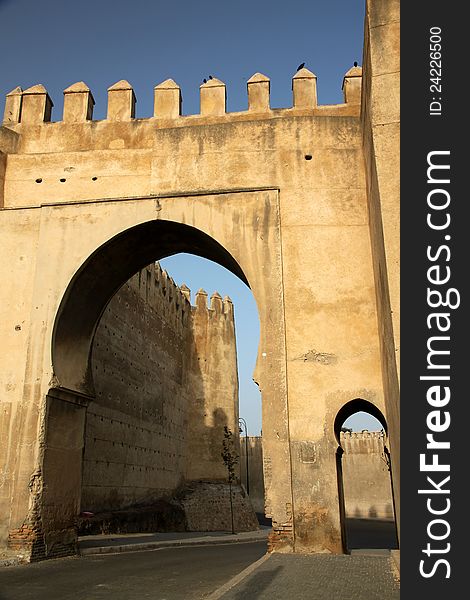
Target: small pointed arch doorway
364, 478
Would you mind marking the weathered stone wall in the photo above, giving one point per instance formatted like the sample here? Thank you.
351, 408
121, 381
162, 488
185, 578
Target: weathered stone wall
197, 506
380, 116
213, 381
207, 508
151, 394
366, 476
255, 470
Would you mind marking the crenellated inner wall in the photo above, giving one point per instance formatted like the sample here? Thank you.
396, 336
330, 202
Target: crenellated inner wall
213, 382
162, 381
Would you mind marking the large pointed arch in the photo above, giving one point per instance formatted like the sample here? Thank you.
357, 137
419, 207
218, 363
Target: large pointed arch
102, 274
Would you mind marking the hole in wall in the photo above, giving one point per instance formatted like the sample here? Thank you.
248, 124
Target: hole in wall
62, 180
39, 180
308, 157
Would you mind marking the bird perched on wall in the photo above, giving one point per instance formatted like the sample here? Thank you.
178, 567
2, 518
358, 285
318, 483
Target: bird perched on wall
355, 63
204, 81
210, 76
301, 66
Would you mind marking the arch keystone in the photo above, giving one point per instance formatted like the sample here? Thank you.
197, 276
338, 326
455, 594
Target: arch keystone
12, 113
167, 99
213, 97
258, 92
304, 88
36, 106
121, 101
78, 103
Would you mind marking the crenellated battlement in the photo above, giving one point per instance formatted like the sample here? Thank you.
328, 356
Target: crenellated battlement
217, 305
362, 435
33, 106
363, 442
155, 281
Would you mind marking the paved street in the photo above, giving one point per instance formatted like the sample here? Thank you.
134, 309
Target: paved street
319, 577
189, 573
198, 571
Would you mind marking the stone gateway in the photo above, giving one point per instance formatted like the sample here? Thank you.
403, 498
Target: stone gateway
301, 203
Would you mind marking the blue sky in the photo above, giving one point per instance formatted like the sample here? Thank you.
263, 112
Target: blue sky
58, 43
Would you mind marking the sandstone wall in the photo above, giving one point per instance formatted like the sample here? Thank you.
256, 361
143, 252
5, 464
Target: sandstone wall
207, 508
213, 380
151, 393
255, 470
380, 117
366, 476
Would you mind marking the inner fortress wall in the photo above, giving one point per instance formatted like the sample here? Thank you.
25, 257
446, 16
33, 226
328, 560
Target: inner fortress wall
153, 397
366, 476
213, 383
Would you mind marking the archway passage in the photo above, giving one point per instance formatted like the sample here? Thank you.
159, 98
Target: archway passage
161, 380
165, 376
87, 298
100, 277
364, 480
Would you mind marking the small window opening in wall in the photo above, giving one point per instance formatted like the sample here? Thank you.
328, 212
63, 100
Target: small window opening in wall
94, 178
308, 157
62, 180
39, 180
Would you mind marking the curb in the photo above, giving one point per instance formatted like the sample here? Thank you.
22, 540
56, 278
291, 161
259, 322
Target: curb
10, 562
202, 541
238, 578
395, 560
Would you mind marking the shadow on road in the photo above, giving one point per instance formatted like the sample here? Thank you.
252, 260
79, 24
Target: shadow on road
371, 533
257, 583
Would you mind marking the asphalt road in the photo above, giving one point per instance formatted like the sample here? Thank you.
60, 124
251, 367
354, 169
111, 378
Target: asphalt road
190, 573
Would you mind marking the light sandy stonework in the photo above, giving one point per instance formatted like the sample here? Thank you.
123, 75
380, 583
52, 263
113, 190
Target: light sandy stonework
301, 203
